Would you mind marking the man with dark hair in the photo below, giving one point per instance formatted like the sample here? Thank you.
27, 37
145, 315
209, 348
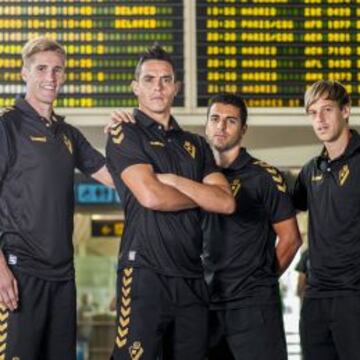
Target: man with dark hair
39, 152
328, 187
162, 297
242, 259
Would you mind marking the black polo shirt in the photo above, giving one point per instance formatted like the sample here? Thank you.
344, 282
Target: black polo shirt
37, 164
239, 249
166, 242
330, 191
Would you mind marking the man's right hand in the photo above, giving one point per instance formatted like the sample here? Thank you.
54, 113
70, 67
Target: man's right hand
9, 294
119, 117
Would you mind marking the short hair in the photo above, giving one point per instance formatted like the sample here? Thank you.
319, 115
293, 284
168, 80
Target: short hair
230, 99
41, 44
330, 89
156, 52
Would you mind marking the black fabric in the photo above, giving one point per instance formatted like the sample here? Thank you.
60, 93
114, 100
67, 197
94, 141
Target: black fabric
167, 242
331, 193
253, 333
303, 265
158, 314
44, 326
36, 190
239, 249
330, 328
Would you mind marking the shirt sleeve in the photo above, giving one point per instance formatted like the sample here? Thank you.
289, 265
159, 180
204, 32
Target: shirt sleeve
124, 148
87, 159
4, 151
209, 165
276, 198
299, 193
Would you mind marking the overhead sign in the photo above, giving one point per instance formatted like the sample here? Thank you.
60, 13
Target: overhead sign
95, 194
107, 228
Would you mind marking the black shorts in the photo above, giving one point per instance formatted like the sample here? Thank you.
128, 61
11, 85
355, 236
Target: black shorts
44, 325
160, 314
330, 328
251, 333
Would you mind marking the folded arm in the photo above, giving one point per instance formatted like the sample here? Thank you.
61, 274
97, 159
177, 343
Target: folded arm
213, 194
151, 193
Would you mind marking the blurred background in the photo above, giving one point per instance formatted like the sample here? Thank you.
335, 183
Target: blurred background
268, 51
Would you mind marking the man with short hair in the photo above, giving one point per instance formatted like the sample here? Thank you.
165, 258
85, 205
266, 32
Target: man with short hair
328, 187
39, 152
242, 258
162, 297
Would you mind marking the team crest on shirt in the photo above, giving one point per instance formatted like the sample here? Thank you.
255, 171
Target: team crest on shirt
343, 174
235, 186
68, 144
190, 148
117, 135
136, 351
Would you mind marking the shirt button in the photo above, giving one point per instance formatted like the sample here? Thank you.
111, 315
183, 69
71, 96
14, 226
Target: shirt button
169, 140
159, 127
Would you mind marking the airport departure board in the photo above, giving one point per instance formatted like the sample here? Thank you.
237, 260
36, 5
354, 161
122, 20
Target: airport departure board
271, 50
103, 39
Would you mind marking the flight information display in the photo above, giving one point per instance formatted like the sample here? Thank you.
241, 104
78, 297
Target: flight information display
271, 50
102, 38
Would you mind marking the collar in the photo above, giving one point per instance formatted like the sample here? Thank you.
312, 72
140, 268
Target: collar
352, 147
147, 121
26, 108
241, 160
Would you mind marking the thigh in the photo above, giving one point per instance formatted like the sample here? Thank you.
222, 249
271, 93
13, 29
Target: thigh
315, 333
256, 333
189, 334
22, 331
218, 348
346, 327
60, 338
142, 308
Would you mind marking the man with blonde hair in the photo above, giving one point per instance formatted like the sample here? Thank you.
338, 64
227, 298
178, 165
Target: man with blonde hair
328, 187
39, 152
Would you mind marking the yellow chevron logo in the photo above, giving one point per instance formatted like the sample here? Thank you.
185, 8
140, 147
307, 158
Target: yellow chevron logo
281, 188
119, 139
125, 302
125, 312
124, 322
120, 343
123, 332
127, 281
3, 337
2, 357
278, 179
126, 291
3, 308
116, 131
2, 347
3, 327
4, 316
128, 271
271, 171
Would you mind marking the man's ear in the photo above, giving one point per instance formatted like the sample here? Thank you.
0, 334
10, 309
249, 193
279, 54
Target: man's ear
178, 86
24, 73
134, 87
244, 129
